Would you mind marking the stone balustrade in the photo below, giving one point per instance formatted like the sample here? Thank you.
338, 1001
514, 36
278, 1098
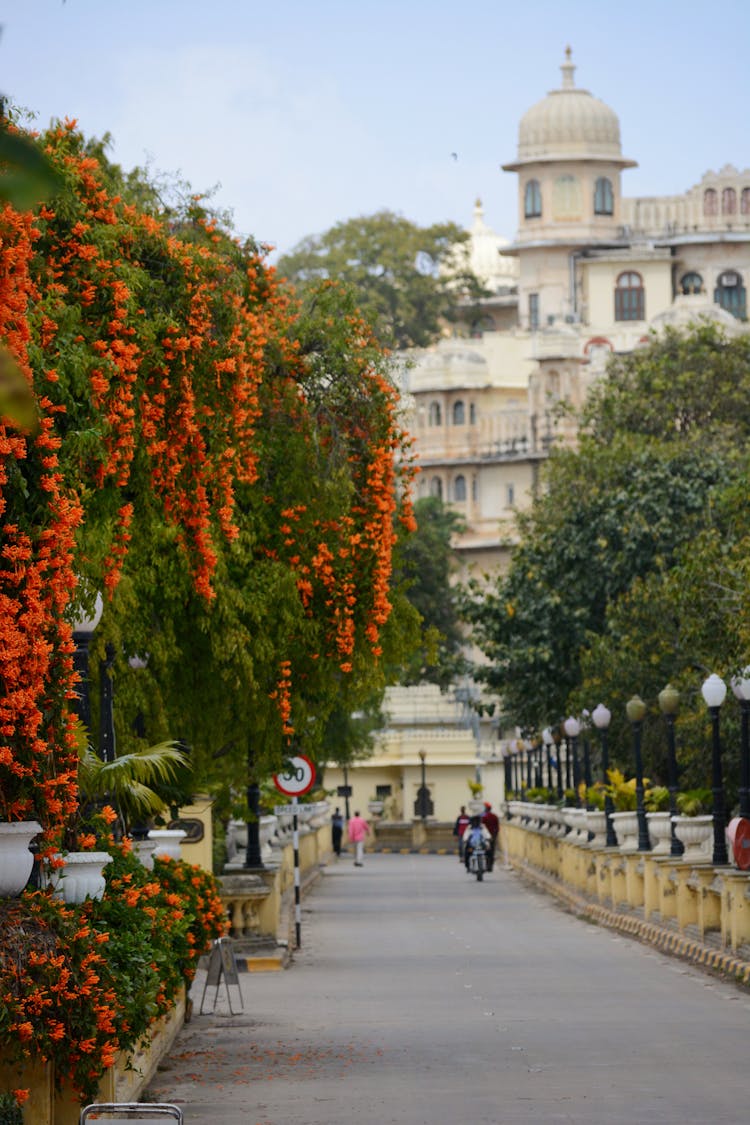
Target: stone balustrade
703, 906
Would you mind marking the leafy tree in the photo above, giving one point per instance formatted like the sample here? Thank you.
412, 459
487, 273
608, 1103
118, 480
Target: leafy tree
406, 279
426, 561
652, 465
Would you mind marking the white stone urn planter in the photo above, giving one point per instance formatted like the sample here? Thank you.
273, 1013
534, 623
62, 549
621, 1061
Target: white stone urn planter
697, 834
660, 832
266, 832
626, 830
16, 861
144, 851
167, 842
476, 806
81, 877
596, 823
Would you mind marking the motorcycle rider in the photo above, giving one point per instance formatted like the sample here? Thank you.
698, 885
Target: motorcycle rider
476, 836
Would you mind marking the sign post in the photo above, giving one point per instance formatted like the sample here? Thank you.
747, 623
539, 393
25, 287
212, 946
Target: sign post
296, 780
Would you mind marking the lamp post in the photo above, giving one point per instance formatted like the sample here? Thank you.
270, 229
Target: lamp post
741, 689
507, 776
714, 692
548, 741
346, 793
423, 804
601, 717
529, 778
84, 626
573, 729
558, 758
669, 701
106, 708
635, 709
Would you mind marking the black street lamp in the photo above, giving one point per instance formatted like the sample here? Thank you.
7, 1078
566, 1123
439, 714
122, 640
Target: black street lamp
253, 858
507, 775
548, 741
636, 711
107, 751
347, 793
741, 689
669, 701
558, 759
601, 717
573, 729
84, 627
714, 692
423, 805
529, 779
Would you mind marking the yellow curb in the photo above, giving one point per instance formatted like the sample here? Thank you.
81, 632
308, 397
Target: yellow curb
263, 964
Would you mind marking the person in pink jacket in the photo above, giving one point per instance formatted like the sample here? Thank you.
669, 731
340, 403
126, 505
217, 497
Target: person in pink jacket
357, 830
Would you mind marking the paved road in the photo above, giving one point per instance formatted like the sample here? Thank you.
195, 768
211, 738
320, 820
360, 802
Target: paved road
422, 997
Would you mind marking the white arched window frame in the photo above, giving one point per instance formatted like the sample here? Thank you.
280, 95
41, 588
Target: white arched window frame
436, 487
630, 297
691, 283
730, 293
459, 489
459, 413
604, 197
532, 200
435, 414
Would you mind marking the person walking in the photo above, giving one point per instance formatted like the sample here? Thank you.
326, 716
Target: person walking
337, 830
462, 823
358, 829
492, 824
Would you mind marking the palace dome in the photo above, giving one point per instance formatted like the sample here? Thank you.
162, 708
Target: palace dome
569, 123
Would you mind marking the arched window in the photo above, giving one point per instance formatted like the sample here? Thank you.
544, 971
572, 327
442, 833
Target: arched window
731, 294
745, 201
729, 201
691, 283
459, 488
436, 487
472, 414
532, 200
459, 413
710, 202
630, 302
604, 197
436, 414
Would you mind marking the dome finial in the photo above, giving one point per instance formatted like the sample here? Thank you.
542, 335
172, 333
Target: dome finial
568, 70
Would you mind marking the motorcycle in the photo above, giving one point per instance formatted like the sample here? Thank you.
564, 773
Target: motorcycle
478, 862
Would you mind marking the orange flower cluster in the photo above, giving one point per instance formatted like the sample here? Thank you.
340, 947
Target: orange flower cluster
153, 396
38, 758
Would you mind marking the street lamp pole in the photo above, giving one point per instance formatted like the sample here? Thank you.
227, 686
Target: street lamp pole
714, 692
741, 689
548, 740
669, 701
636, 711
573, 729
558, 758
601, 717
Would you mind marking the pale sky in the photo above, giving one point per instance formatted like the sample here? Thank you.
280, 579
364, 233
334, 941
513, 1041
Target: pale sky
306, 113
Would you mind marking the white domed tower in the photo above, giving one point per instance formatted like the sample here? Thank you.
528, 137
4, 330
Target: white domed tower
569, 165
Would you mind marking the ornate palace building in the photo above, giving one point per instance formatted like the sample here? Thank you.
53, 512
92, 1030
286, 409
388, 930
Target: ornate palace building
590, 272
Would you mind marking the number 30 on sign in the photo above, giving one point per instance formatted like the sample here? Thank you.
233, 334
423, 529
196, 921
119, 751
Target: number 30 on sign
298, 777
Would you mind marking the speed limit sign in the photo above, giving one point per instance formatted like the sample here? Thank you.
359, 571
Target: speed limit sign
298, 777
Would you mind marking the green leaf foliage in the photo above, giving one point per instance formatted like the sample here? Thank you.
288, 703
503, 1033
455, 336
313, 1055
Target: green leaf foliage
405, 279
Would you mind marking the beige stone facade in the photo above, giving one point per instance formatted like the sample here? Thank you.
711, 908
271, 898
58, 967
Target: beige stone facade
589, 272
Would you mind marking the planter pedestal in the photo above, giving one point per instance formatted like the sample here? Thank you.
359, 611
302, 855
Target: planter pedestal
16, 861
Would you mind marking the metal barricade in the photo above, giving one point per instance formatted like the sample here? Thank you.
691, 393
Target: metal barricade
127, 1112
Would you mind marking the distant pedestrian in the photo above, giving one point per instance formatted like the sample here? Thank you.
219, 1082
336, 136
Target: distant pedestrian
358, 829
492, 824
462, 823
337, 830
